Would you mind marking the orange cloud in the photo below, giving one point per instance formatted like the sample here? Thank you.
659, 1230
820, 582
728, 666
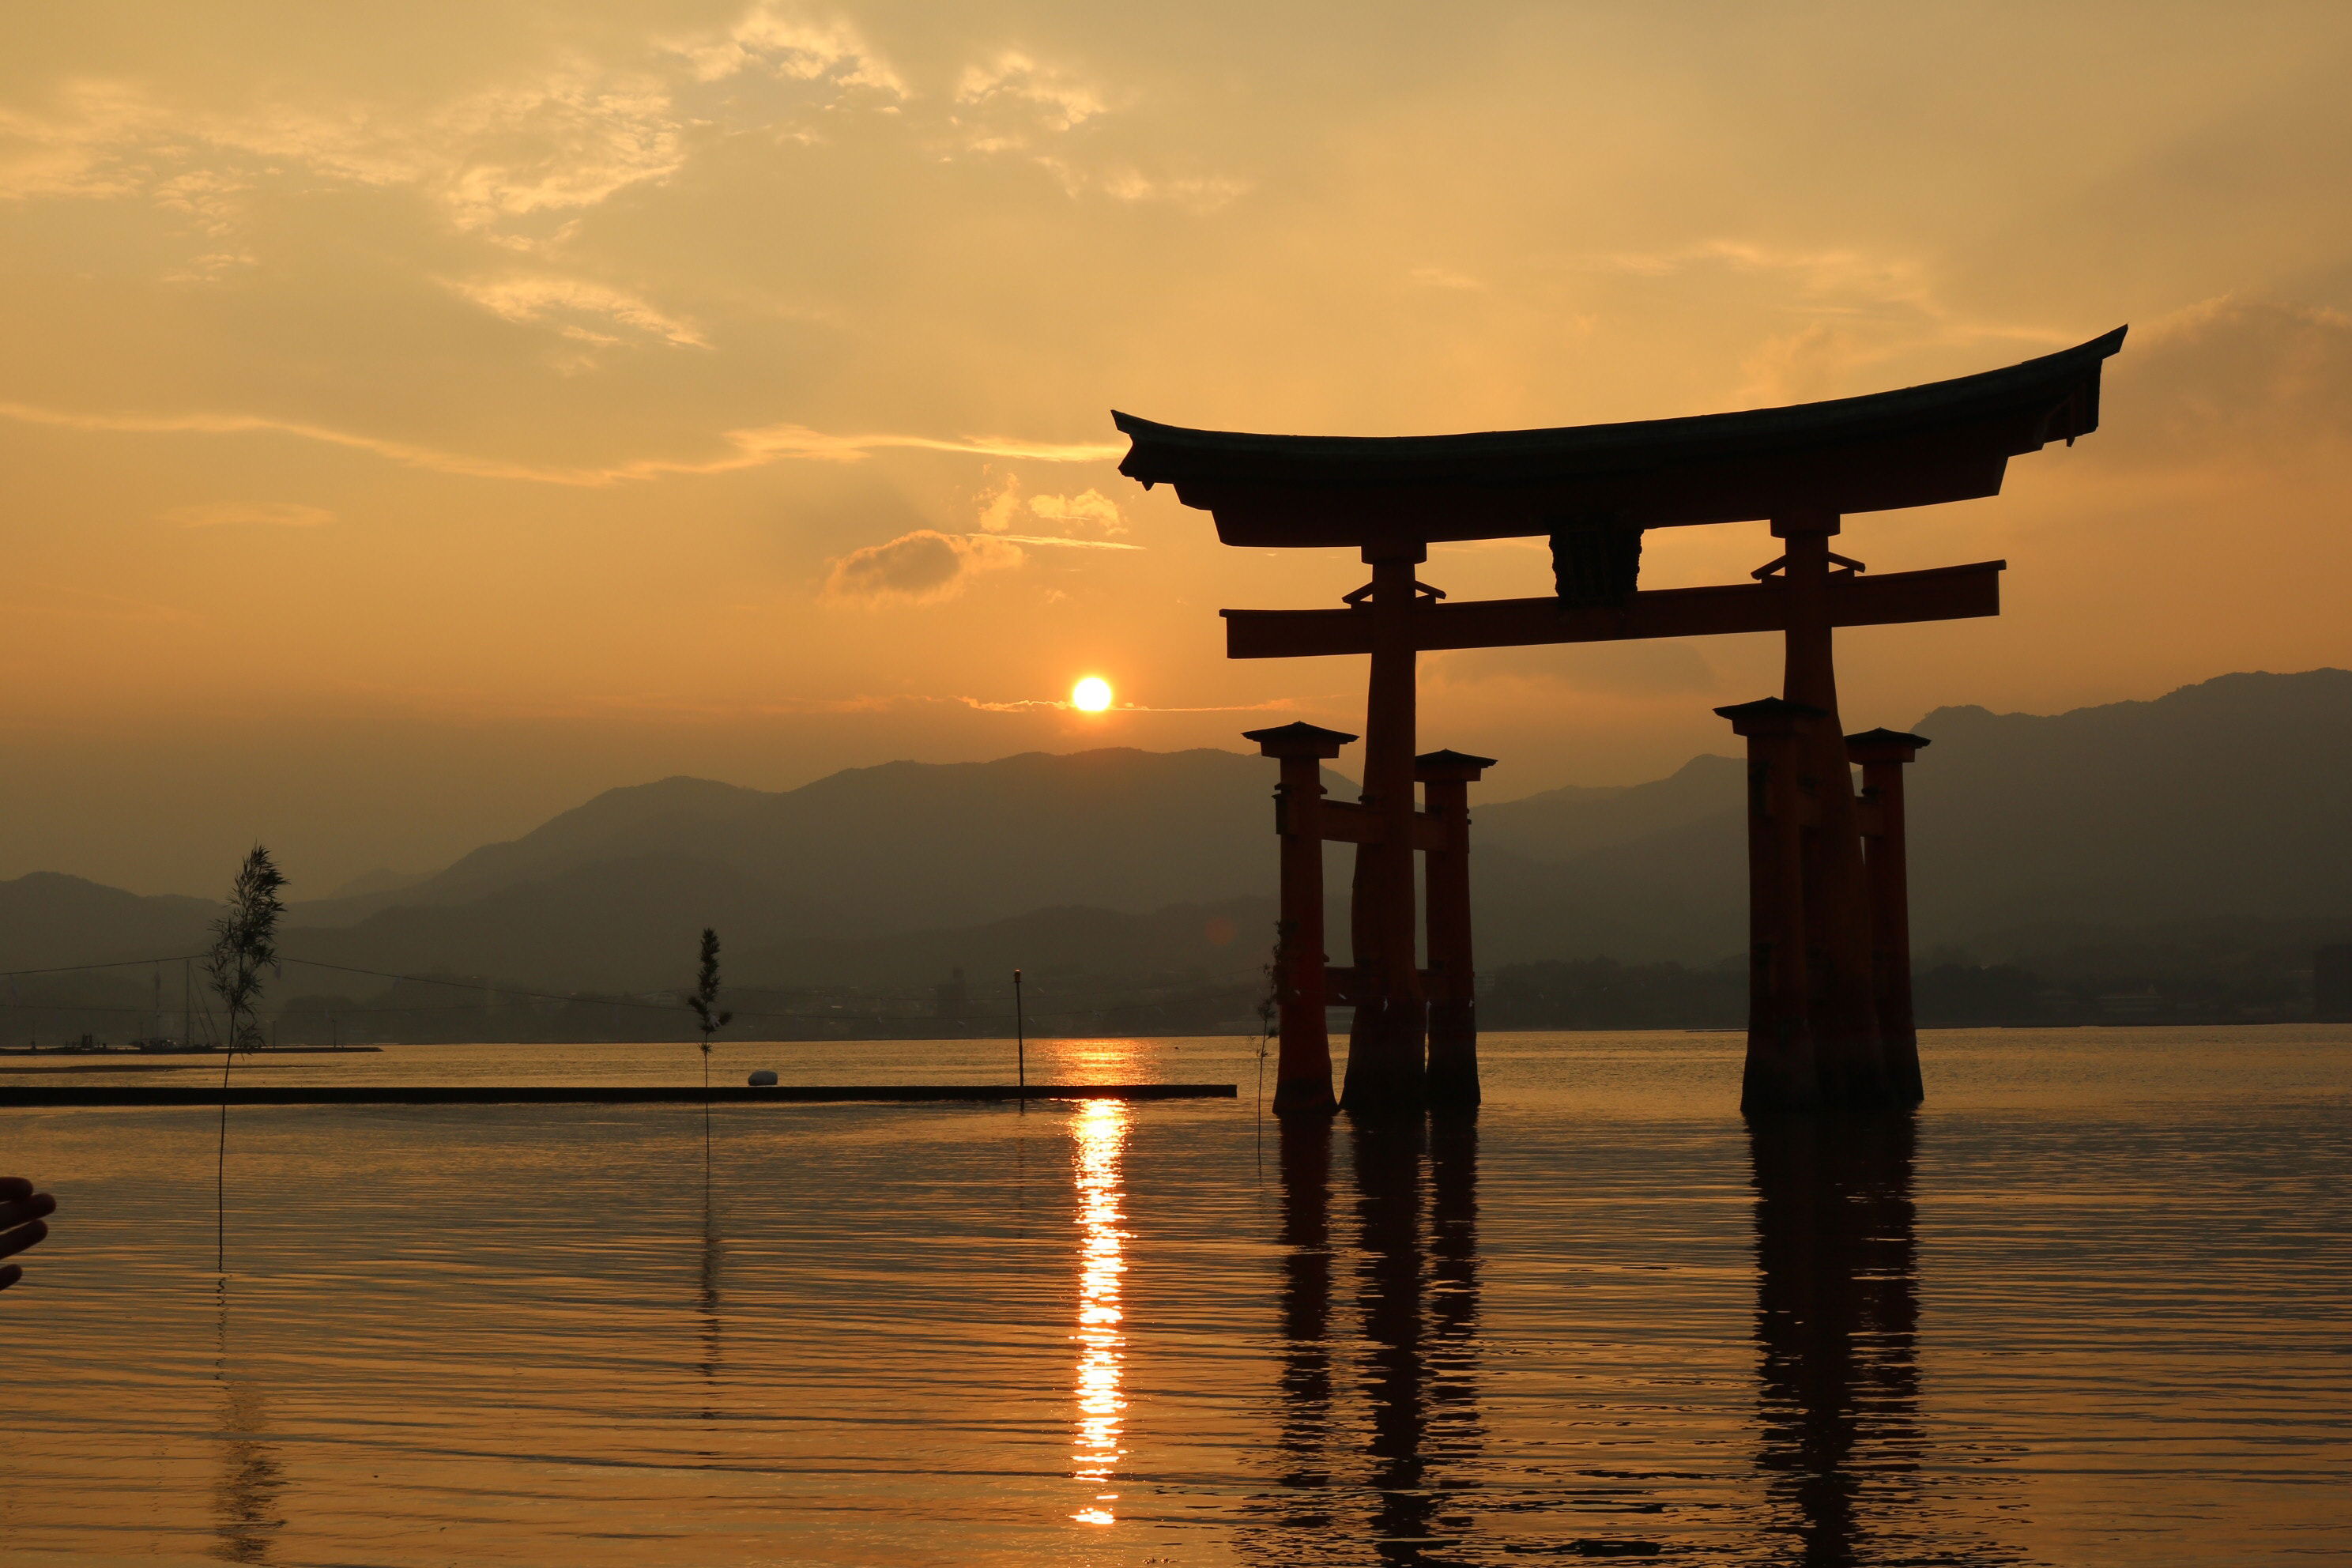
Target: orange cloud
920, 568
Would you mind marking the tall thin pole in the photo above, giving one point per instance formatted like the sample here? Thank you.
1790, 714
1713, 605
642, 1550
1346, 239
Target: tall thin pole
1020, 1036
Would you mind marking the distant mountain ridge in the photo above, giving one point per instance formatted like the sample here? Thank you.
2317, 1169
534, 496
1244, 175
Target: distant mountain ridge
49, 920
2231, 800
2232, 797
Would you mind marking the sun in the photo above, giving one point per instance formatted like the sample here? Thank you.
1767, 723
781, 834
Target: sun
1091, 695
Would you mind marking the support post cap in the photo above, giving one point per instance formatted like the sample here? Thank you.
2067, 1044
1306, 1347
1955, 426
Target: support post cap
1298, 739
1768, 716
1449, 767
1883, 746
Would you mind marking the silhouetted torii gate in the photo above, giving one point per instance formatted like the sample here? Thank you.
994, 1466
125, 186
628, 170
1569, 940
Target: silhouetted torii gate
1829, 1012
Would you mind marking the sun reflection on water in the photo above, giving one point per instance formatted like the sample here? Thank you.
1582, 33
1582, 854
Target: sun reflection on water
1100, 1130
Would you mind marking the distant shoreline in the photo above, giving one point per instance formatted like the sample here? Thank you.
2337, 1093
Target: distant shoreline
192, 1052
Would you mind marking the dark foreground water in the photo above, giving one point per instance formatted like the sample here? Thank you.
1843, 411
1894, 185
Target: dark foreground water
2094, 1306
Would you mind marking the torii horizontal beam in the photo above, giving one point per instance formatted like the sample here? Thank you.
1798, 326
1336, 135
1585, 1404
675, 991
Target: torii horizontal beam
1943, 594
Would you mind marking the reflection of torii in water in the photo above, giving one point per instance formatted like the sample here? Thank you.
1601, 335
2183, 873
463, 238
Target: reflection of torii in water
1829, 1010
1417, 1299
1839, 1443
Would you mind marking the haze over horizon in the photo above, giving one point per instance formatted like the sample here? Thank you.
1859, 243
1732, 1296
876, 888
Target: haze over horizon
421, 422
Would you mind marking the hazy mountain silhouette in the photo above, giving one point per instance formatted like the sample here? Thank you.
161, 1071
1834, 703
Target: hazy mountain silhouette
634, 820
2226, 802
2230, 799
1223, 941
47, 920
1644, 872
609, 925
910, 844
2223, 804
1563, 823
383, 880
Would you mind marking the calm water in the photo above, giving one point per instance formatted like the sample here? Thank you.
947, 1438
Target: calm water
2093, 1307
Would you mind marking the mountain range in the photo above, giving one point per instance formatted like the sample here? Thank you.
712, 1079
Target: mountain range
2223, 807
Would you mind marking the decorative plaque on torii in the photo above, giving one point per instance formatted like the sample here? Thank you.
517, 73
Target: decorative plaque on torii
1828, 965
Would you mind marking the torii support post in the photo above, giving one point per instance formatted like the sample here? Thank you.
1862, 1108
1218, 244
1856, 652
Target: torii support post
1386, 1072
1302, 1075
1848, 1052
1883, 754
1453, 982
1781, 1073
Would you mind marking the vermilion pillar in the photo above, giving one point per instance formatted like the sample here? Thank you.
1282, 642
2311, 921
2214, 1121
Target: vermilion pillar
1783, 1072
1303, 1069
1883, 754
1452, 981
1386, 1072
1848, 1053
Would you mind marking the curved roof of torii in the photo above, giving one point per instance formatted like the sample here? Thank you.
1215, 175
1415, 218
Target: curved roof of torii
1945, 441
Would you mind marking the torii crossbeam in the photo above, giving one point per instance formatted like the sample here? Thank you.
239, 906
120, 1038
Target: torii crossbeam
1827, 1021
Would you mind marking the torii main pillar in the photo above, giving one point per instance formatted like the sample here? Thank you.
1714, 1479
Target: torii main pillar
1829, 1017
1387, 1037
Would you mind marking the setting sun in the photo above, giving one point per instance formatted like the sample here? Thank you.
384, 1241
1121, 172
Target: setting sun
1091, 695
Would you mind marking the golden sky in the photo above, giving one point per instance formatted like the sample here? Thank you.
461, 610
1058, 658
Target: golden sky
418, 417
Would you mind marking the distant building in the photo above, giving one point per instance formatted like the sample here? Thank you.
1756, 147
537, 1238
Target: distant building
2331, 984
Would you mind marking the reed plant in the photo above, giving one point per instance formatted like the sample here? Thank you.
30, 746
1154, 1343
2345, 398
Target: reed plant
709, 1017
244, 944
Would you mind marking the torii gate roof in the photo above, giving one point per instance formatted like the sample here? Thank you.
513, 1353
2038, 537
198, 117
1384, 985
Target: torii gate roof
1945, 441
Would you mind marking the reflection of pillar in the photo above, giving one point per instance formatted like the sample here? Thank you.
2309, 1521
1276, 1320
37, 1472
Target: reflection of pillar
1303, 1069
1844, 1012
1385, 1070
1456, 1429
1781, 1072
1453, 983
1837, 1316
1883, 754
1388, 1208
1306, 1430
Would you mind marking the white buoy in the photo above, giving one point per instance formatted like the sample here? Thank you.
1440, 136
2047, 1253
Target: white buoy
764, 1079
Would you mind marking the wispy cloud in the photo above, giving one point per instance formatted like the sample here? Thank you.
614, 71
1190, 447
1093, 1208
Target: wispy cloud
1063, 541
558, 139
771, 39
749, 448
563, 139
1051, 704
235, 514
1006, 99
1088, 518
1854, 310
570, 303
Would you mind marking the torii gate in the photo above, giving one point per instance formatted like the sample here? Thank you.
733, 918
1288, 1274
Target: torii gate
1829, 1012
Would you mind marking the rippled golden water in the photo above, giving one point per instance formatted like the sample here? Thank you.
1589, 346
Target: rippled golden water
2095, 1306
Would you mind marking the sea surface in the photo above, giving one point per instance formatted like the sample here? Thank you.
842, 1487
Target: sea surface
2091, 1305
